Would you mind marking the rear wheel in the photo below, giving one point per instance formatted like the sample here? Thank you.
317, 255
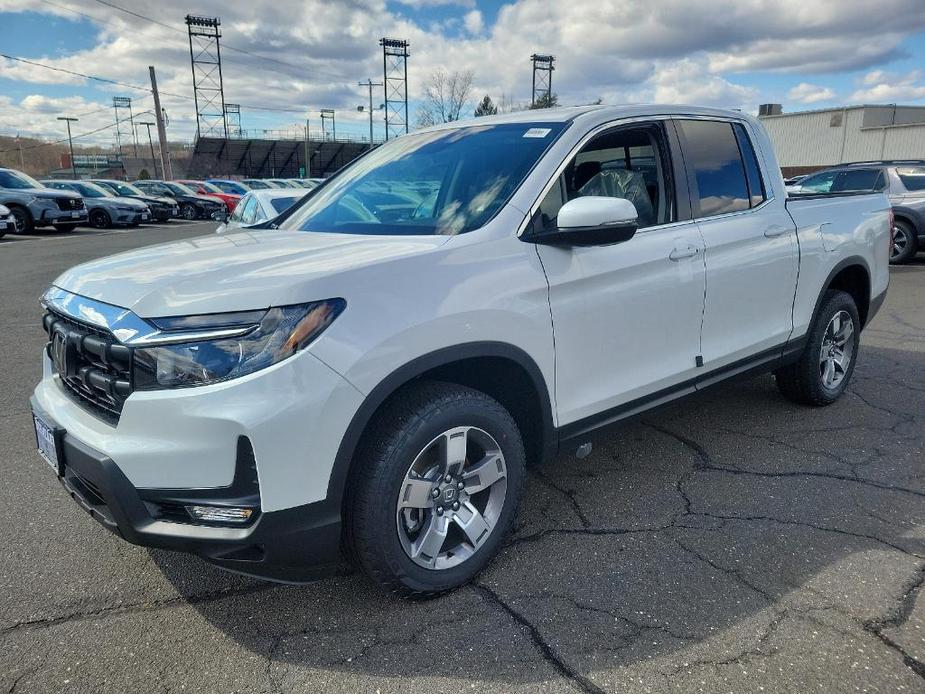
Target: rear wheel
905, 243
436, 488
825, 367
22, 220
100, 219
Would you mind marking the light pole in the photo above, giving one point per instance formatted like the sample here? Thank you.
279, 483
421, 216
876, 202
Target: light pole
369, 83
148, 124
328, 113
70, 142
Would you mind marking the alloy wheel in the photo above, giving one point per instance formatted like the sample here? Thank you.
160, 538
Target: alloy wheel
900, 242
837, 350
451, 498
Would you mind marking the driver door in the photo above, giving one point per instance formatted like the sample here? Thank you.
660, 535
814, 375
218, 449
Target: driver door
626, 317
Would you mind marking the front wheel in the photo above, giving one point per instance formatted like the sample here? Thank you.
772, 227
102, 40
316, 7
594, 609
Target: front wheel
100, 219
188, 211
22, 220
436, 488
824, 369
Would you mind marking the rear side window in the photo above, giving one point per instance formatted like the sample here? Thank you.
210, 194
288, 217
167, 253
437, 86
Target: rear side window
756, 192
912, 177
711, 153
852, 180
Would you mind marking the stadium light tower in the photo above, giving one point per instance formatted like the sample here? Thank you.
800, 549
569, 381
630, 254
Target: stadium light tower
395, 80
327, 114
543, 65
206, 61
121, 104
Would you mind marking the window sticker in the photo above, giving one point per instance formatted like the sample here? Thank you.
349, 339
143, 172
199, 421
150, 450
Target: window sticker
537, 132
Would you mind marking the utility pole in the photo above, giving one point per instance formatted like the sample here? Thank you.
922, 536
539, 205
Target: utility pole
22, 160
370, 84
308, 167
70, 142
161, 129
151, 143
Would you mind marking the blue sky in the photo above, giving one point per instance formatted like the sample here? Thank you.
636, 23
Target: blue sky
298, 56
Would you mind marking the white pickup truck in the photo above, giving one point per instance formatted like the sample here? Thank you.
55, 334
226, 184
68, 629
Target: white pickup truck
367, 376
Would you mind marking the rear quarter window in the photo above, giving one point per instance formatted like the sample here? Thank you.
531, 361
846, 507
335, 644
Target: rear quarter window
912, 177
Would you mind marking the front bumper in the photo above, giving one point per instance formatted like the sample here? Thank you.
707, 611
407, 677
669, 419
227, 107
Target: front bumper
53, 216
180, 447
297, 544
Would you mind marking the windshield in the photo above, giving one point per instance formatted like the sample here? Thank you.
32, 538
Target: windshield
257, 185
90, 190
122, 188
179, 188
442, 182
231, 187
18, 180
210, 188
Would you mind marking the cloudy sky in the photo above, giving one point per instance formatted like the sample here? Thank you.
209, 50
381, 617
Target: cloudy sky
284, 59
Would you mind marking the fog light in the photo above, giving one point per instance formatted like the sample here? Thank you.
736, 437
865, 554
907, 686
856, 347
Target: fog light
220, 514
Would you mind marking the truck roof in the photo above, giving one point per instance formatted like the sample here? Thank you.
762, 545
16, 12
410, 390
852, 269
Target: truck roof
590, 114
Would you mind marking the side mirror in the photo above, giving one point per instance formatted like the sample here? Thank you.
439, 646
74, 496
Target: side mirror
220, 216
592, 221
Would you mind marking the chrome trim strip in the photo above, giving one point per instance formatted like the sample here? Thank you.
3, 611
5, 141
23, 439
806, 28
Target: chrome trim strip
124, 325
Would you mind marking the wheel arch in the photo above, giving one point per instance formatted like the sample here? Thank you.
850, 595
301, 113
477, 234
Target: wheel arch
501, 370
911, 216
851, 275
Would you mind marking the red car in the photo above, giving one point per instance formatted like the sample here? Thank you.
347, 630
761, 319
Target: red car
206, 188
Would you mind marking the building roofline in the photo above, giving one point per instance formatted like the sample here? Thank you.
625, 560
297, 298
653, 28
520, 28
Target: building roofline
835, 109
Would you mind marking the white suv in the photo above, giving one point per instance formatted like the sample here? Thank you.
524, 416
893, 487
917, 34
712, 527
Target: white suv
368, 375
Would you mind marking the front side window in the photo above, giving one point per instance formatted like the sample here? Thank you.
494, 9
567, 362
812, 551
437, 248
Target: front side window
441, 182
912, 177
711, 152
629, 163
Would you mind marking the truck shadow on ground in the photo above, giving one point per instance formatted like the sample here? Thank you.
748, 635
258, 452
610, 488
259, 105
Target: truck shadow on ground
708, 533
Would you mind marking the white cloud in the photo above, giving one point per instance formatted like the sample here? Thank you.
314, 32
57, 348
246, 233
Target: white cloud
807, 93
690, 82
474, 22
886, 87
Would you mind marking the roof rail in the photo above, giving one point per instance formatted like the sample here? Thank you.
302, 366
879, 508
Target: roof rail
881, 162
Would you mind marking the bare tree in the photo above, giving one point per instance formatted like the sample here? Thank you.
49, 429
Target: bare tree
445, 96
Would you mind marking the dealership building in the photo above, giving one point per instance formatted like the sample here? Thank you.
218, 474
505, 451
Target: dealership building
810, 140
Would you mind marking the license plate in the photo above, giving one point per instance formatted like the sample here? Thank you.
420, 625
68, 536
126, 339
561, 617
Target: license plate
2, 224
144, 218
47, 445
75, 215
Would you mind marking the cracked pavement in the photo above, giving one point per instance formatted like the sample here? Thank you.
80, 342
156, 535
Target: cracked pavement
732, 542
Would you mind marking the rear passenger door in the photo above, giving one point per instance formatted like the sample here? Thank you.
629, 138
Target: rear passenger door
751, 253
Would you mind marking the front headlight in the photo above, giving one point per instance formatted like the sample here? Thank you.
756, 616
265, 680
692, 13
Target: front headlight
276, 335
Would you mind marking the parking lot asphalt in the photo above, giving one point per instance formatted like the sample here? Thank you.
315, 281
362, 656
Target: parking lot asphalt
733, 542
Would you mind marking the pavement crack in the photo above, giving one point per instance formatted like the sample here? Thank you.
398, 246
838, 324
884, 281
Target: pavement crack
569, 494
896, 618
545, 649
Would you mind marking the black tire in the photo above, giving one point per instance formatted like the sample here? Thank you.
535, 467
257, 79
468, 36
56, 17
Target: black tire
804, 381
905, 243
70, 226
188, 211
100, 219
410, 423
23, 223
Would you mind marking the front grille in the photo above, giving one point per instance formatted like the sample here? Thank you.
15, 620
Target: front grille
70, 203
95, 369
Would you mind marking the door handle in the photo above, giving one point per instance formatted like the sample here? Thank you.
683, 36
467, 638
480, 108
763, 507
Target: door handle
776, 230
682, 253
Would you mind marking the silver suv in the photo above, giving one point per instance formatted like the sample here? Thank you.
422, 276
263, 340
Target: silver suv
33, 205
903, 182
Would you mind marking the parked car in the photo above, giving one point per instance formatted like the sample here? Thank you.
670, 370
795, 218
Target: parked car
192, 204
230, 200
162, 208
902, 181
258, 206
794, 180
258, 184
105, 209
283, 183
33, 205
374, 374
7, 221
229, 186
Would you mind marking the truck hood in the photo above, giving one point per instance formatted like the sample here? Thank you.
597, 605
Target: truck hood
238, 271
